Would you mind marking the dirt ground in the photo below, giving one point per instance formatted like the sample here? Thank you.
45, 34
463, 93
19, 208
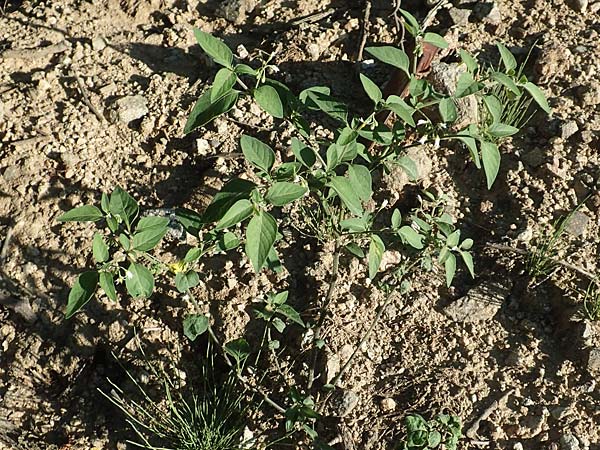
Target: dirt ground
528, 347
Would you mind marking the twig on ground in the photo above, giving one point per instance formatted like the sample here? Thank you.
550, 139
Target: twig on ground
32, 53
432, 13
560, 262
323, 314
311, 18
398, 22
471, 433
30, 141
85, 96
364, 31
6, 243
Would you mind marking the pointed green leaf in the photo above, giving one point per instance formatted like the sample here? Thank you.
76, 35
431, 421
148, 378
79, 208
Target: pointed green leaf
240, 211
435, 39
194, 326
260, 237
234, 190
107, 283
448, 110
268, 99
466, 85
401, 109
491, 161
410, 167
81, 292
86, 213
502, 130
257, 153
239, 349
347, 194
284, 192
186, 280
291, 314
493, 106
507, 82
509, 61
215, 48
471, 144
329, 105
371, 89
149, 231
99, 248
468, 260
205, 111
468, 60
376, 250
450, 266
396, 219
123, 205
303, 153
223, 83
355, 250
228, 242
538, 96
361, 180
139, 281
392, 56
412, 237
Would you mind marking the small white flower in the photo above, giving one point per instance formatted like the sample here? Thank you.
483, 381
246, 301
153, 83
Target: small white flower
185, 298
436, 143
421, 122
423, 140
128, 275
384, 203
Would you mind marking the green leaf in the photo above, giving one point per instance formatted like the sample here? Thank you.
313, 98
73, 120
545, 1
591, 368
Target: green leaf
190, 220
467, 244
107, 283
303, 153
125, 242
452, 240
410, 167
371, 89
448, 110
450, 267
396, 219
538, 96
494, 107
234, 190
205, 111
139, 281
509, 61
306, 95
471, 144
186, 280
468, 260
491, 161
329, 105
86, 213
336, 154
502, 130
228, 241
434, 439
104, 203
354, 224
99, 248
412, 237
282, 193
468, 60
239, 349
268, 99
123, 205
290, 313
239, 211
392, 56
347, 136
149, 231
81, 292
257, 153
376, 250
361, 180
215, 48
244, 69
466, 85
223, 83
260, 237
192, 255
194, 326
507, 82
435, 39
355, 250
401, 109
412, 23
347, 194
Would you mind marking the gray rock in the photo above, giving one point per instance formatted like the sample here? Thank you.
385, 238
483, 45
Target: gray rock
577, 224
236, 11
346, 403
480, 304
131, 108
593, 364
569, 442
488, 12
98, 44
459, 16
397, 179
444, 78
534, 158
568, 129
332, 366
561, 412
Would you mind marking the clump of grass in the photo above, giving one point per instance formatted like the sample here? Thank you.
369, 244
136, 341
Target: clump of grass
591, 301
542, 261
206, 417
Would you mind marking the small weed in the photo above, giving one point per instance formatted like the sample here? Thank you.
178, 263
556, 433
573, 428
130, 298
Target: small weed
209, 418
541, 260
591, 301
443, 432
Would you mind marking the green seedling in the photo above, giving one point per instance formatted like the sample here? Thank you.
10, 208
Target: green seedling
443, 432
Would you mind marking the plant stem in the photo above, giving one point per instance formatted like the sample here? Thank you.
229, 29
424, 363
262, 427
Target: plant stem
324, 307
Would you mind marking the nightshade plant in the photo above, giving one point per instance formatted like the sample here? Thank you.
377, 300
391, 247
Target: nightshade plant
326, 190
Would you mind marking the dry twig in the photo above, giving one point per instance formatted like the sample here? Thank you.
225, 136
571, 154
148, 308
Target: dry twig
33, 53
86, 98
